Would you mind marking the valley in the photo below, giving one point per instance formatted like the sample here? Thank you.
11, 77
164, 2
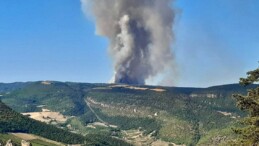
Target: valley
139, 115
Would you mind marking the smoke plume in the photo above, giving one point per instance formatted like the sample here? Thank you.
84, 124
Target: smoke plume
140, 36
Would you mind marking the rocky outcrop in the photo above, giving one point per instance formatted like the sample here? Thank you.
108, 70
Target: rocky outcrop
9, 143
218, 139
208, 95
25, 143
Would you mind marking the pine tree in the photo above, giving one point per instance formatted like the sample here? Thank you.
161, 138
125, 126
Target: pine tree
248, 135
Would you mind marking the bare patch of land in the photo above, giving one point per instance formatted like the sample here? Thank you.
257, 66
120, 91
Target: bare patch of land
46, 83
47, 116
158, 90
225, 113
99, 124
228, 114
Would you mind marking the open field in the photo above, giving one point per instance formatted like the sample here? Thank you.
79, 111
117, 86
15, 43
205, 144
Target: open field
47, 116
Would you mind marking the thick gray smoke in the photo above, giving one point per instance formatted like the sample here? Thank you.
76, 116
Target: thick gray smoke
140, 35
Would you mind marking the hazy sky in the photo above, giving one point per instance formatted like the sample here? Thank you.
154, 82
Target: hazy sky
216, 42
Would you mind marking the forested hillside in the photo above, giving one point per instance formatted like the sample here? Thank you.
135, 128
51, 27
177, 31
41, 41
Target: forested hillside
137, 114
13, 122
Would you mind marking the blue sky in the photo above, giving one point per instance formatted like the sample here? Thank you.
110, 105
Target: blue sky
216, 42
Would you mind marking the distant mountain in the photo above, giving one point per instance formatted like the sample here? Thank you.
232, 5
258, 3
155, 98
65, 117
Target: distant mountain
137, 114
